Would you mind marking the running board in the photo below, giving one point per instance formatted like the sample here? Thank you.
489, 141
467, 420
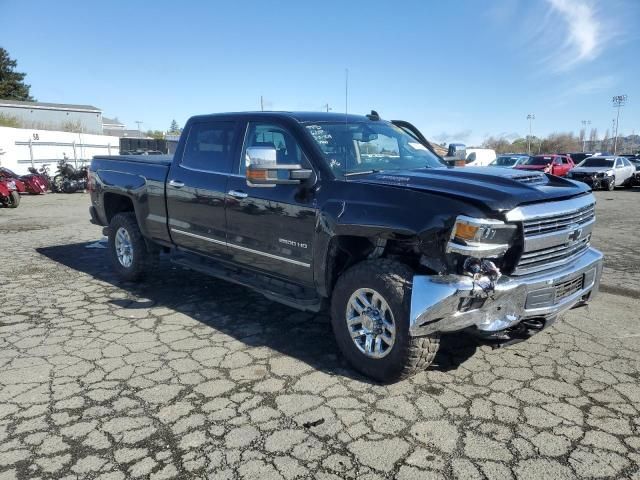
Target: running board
280, 291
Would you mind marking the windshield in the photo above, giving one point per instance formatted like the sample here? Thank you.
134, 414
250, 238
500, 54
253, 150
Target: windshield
578, 157
597, 162
539, 160
352, 148
505, 161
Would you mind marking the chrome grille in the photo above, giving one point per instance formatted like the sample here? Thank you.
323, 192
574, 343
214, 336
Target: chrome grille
550, 257
568, 288
554, 233
563, 221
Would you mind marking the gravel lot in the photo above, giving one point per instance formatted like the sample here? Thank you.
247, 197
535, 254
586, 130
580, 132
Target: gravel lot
185, 376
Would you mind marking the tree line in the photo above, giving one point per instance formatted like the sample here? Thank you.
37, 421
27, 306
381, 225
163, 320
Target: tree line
563, 142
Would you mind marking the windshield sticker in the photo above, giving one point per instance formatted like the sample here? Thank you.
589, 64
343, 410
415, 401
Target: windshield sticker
319, 134
334, 163
417, 146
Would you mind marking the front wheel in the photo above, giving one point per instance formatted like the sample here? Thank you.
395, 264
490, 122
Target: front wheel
128, 251
57, 184
14, 200
370, 311
612, 184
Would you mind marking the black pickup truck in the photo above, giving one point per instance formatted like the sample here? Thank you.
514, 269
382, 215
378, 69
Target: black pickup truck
358, 215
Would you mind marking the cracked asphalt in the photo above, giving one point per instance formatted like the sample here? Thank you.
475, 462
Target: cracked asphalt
189, 377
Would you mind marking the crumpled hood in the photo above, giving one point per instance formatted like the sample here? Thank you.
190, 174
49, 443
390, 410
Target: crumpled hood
497, 189
590, 169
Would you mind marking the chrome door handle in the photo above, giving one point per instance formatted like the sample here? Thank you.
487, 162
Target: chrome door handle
176, 183
237, 194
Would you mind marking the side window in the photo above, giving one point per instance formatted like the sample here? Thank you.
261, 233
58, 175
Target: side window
209, 147
618, 163
626, 162
271, 135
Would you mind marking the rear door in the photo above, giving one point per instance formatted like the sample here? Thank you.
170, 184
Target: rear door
272, 228
197, 185
620, 170
629, 168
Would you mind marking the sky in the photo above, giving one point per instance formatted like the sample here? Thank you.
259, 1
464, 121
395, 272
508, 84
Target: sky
460, 71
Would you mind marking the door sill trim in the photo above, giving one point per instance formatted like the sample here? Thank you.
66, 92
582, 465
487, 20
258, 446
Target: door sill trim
239, 247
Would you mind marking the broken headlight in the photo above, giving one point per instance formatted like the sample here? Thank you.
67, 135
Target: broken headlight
480, 237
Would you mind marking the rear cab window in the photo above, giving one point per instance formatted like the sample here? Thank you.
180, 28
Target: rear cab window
210, 146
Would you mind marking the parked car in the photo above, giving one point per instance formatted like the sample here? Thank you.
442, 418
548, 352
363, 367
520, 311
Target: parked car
509, 160
605, 172
354, 214
480, 157
558, 165
636, 175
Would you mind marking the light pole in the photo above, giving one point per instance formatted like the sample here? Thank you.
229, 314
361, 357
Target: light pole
139, 122
619, 101
530, 117
585, 124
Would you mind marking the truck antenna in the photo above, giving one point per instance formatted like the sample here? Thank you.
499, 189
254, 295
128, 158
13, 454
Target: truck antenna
346, 94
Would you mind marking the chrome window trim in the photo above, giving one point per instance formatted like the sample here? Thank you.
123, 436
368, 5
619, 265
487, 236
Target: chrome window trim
245, 249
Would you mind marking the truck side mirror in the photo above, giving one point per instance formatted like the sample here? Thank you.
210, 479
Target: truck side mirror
263, 169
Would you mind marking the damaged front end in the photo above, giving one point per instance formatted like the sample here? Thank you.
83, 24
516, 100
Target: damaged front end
476, 296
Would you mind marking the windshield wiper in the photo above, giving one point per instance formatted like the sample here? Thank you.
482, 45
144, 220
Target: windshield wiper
361, 172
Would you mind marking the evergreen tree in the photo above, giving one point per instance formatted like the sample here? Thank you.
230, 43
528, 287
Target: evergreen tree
12, 86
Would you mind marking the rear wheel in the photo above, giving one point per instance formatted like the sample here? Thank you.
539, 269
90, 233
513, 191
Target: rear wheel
370, 311
130, 257
14, 200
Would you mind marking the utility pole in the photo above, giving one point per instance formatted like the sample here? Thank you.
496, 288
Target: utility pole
327, 107
613, 129
530, 117
261, 104
619, 101
585, 124
138, 122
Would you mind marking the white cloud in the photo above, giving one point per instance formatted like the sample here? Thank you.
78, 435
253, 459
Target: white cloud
584, 32
584, 29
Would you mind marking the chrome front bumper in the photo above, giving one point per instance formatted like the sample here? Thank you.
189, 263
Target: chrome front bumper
454, 302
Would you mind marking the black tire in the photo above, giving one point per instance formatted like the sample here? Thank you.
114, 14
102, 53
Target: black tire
142, 259
57, 184
14, 200
612, 184
392, 280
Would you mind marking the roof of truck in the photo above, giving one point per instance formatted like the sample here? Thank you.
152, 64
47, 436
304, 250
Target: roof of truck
302, 117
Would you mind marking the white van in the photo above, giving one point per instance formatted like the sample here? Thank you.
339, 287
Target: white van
480, 157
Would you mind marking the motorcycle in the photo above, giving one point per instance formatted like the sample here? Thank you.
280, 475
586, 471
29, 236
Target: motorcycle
30, 183
9, 196
69, 179
9, 176
43, 174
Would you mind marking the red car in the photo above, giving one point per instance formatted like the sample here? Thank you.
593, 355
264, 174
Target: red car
558, 165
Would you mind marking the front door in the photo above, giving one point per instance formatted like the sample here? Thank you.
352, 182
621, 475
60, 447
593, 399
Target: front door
272, 228
197, 185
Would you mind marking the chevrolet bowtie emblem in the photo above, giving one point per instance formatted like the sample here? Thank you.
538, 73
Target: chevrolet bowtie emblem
575, 235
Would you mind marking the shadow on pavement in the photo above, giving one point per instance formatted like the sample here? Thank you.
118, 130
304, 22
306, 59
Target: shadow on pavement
238, 311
